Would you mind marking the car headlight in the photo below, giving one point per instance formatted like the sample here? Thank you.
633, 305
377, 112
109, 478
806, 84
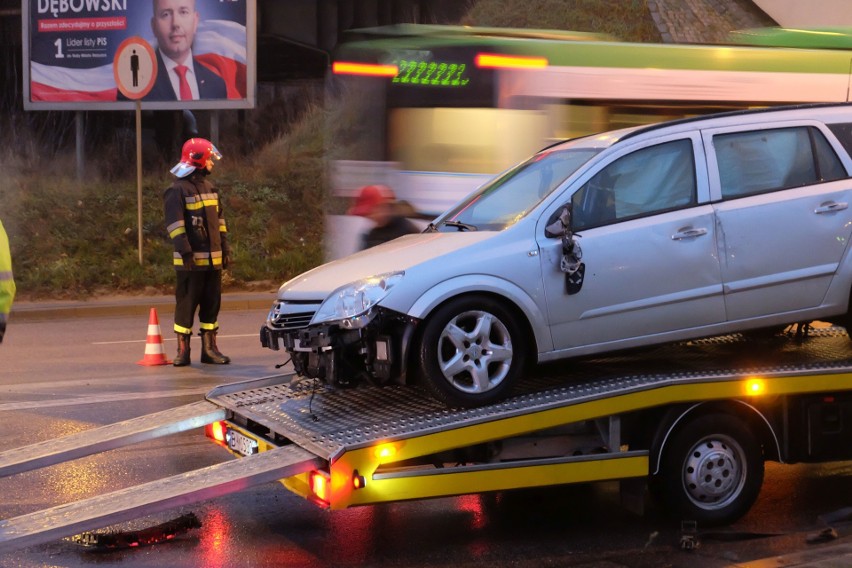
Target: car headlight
348, 304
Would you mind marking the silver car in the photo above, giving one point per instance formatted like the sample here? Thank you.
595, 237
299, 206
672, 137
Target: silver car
635, 237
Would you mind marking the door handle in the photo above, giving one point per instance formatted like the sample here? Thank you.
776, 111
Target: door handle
831, 206
688, 233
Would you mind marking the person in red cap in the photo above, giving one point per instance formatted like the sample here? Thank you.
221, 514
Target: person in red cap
379, 204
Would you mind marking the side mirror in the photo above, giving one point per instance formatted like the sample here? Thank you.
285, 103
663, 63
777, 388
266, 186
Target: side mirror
559, 224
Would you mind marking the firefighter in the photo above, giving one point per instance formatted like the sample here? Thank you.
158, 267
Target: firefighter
7, 282
198, 231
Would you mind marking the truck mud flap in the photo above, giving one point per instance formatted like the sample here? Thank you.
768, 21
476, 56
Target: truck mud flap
109, 437
134, 502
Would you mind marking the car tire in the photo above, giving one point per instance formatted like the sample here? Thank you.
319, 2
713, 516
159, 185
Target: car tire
711, 471
471, 351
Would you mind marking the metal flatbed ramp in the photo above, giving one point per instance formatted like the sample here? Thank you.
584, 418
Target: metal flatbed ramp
109, 437
330, 422
134, 502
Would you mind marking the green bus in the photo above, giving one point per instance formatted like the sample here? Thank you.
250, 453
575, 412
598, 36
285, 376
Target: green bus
435, 111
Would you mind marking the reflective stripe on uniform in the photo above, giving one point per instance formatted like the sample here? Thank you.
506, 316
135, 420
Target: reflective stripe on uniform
176, 228
209, 326
183, 330
204, 200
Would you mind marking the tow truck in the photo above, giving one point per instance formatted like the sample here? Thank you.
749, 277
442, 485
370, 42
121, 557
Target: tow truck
691, 422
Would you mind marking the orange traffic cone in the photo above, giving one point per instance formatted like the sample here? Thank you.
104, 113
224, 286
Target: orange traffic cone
154, 354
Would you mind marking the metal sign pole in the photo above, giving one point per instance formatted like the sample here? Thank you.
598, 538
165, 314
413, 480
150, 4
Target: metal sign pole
81, 141
135, 69
139, 172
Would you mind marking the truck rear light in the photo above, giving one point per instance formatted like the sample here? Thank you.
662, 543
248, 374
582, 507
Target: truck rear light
320, 483
216, 431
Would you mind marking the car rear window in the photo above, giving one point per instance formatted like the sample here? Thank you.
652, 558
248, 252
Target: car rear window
766, 160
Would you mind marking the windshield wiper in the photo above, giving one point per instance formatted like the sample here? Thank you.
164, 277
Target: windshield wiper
460, 226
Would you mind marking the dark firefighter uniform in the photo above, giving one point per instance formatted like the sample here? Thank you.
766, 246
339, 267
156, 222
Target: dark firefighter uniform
198, 231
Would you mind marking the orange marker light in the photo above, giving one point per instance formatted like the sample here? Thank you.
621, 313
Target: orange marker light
755, 386
497, 61
358, 481
385, 451
368, 69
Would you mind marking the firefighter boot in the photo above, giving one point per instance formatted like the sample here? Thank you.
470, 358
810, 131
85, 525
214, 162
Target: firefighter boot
182, 358
209, 352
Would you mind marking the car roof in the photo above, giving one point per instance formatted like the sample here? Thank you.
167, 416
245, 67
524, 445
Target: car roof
802, 111
598, 140
817, 111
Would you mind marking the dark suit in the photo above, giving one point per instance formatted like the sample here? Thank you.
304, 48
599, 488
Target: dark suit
210, 85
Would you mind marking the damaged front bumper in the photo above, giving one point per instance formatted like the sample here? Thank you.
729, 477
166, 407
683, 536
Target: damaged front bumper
372, 349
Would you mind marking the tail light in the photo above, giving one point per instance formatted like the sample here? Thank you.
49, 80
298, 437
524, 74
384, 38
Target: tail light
320, 483
216, 431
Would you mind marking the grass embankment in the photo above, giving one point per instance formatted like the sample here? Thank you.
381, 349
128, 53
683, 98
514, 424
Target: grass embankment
626, 20
75, 239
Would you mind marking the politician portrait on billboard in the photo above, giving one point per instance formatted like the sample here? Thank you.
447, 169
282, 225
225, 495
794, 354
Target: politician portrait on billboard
199, 50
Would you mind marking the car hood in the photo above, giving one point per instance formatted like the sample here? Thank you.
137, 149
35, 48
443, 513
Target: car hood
399, 254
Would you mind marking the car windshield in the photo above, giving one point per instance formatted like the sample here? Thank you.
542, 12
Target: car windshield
507, 198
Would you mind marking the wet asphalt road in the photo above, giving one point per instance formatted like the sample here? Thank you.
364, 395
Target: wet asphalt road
63, 377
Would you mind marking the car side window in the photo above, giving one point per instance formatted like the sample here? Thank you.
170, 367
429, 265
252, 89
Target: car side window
651, 180
767, 160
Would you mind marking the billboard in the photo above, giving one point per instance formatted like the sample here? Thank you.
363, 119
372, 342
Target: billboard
85, 54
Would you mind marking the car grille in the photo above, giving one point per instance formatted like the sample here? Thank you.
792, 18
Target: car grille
292, 315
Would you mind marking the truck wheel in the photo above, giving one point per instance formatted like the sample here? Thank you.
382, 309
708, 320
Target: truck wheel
471, 352
711, 471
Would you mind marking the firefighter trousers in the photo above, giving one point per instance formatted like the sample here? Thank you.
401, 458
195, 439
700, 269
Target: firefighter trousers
197, 290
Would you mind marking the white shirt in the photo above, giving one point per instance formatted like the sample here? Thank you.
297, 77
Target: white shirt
175, 78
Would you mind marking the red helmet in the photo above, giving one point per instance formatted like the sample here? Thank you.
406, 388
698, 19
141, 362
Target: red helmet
196, 153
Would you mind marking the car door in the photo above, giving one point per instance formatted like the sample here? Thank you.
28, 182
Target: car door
647, 236
782, 206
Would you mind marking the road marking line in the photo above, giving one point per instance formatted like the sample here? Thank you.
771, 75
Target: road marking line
169, 339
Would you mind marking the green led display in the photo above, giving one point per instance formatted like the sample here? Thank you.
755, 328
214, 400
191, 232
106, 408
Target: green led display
431, 73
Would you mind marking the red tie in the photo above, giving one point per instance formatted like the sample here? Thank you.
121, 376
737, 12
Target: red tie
185, 91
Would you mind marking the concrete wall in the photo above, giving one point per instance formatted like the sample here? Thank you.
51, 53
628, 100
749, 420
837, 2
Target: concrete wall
808, 13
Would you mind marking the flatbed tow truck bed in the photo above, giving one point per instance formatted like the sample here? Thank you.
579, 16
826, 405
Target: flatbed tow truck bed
589, 419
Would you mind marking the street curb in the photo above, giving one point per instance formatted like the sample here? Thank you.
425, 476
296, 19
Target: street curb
133, 306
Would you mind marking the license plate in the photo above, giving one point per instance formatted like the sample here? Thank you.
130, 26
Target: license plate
241, 444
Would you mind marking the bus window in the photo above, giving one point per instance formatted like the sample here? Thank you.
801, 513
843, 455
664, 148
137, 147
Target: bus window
463, 140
